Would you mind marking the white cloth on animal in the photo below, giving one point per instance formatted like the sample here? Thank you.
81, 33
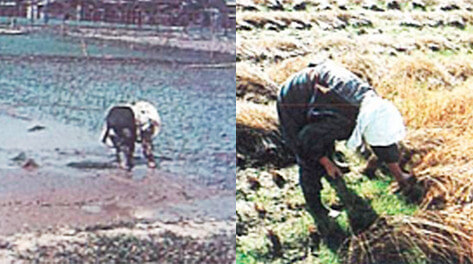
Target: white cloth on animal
379, 123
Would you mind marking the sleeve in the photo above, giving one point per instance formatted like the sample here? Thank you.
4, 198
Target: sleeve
317, 138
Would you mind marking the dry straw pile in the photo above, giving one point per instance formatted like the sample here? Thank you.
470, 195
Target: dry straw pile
428, 78
259, 141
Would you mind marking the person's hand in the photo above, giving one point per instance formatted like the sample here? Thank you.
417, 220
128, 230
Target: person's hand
332, 170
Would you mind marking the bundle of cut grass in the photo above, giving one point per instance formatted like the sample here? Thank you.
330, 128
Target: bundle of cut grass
416, 73
441, 160
430, 236
253, 85
259, 141
446, 170
262, 20
279, 72
269, 49
363, 66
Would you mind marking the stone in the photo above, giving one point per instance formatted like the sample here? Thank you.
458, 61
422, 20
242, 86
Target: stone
243, 25
30, 164
342, 4
36, 128
300, 25
300, 5
434, 47
20, 157
434, 23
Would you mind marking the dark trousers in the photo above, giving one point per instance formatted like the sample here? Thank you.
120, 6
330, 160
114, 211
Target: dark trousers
310, 179
360, 213
310, 141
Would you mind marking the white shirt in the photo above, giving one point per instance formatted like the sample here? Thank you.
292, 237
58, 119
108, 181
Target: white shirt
379, 123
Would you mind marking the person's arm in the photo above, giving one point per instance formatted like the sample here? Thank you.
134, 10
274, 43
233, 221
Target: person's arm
331, 169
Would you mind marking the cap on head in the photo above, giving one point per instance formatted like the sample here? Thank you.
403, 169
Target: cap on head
385, 125
146, 113
379, 123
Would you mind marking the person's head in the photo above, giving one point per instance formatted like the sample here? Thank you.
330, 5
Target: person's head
384, 129
379, 125
146, 113
385, 125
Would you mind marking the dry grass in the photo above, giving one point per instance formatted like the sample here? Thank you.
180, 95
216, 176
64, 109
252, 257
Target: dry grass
436, 236
269, 48
281, 71
253, 85
363, 66
411, 73
259, 141
429, 78
260, 117
443, 120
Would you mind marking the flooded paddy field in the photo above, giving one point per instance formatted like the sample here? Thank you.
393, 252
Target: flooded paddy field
54, 93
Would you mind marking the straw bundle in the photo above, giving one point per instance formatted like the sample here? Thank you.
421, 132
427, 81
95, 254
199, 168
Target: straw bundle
435, 236
259, 141
253, 85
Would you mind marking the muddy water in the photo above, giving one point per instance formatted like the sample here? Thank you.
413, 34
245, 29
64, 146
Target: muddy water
52, 104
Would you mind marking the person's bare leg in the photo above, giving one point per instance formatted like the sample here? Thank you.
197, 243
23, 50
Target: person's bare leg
371, 166
400, 176
147, 145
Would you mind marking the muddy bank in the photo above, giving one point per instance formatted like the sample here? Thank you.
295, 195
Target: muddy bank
93, 42
179, 40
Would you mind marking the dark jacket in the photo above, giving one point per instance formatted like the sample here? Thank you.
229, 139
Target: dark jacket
319, 105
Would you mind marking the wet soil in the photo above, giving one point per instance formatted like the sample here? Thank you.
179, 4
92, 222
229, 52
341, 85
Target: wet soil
55, 173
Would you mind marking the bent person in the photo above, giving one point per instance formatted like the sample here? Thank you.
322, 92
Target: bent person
129, 123
325, 103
